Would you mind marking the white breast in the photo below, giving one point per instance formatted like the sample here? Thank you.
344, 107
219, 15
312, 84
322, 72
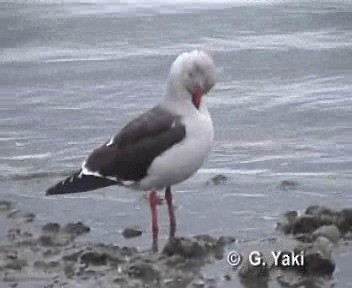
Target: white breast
183, 159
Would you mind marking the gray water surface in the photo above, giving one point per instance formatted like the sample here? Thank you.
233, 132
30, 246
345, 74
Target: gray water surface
72, 73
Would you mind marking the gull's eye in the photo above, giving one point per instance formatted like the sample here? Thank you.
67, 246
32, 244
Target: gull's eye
190, 74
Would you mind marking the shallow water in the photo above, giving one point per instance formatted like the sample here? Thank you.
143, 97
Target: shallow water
73, 72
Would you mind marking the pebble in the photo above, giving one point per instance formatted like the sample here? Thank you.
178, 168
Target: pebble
317, 264
329, 231
305, 224
94, 258
132, 232
198, 283
324, 246
5, 206
143, 270
218, 180
76, 229
249, 271
185, 247
287, 185
51, 228
12, 255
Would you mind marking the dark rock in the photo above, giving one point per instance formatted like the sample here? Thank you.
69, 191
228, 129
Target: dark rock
12, 255
174, 260
329, 231
291, 280
94, 258
218, 248
143, 270
270, 240
315, 217
317, 210
317, 264
218, 180
287, 185
51, 252
198, 283
225, 240
51, 228
212, 245
16, 264
305, 238
46, 241
28, 217
69, 270
13, 214
27, 235
76, 229
291, 216
52, 240
13, 234
5, 206
132, 232
188, 248
72, 257
247, 271
286, 226
317, 258
16, 214
344, 221
121, 279
207, 239
255, 283
347, 213
113, 253
324, 246
46, 266
198, 247
128, 251
211, 283
306, 224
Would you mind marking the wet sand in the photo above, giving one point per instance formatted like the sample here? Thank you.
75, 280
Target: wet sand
54, 255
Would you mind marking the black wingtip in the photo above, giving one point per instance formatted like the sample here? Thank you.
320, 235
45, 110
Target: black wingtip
79, 183
58, 189
51, 191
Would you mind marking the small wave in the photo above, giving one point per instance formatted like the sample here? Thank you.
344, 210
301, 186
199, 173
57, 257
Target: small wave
305, 174
35, 175
233, 171
315, 40
314, 194
245, 195
27, 156
128, 7
78, 59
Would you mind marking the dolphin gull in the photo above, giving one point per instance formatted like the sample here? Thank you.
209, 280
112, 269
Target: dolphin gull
160, 148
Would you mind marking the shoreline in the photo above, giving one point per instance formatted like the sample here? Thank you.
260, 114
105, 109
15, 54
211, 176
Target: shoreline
64, 256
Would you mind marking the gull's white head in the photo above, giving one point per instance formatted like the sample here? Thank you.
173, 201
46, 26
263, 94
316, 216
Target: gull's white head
192, 75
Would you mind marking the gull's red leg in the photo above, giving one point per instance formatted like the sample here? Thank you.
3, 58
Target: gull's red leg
153, 201
168, 197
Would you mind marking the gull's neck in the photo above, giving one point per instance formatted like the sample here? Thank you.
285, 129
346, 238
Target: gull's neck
177, 100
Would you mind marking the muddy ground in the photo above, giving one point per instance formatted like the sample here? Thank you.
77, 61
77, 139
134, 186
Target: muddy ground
55, 255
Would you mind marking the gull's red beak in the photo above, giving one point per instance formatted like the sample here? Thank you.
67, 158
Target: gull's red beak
197, 97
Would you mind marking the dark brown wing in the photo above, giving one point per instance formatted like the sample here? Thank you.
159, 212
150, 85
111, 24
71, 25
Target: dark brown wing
134, 148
